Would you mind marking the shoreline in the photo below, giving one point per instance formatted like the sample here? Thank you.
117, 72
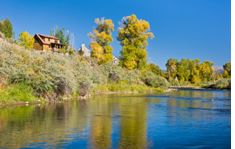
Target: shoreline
104, 93
78, 98
196, 88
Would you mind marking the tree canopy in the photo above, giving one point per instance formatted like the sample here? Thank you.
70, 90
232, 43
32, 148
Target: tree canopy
62, 35
133, 35
187, 70
6, 28
227, 70
101, 37
26, 40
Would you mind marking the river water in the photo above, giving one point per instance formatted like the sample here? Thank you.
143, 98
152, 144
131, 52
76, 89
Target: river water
181, 119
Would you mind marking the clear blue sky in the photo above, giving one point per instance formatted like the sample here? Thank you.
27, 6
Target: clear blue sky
182, 28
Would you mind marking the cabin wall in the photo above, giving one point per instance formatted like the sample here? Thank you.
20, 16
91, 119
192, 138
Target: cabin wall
37, 46
46, 47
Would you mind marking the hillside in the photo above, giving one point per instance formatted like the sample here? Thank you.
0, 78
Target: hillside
54, 76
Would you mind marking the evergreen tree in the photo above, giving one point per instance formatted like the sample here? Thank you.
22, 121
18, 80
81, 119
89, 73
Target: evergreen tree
6, 28
62, 35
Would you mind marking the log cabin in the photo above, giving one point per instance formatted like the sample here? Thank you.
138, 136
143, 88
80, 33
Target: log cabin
47, 43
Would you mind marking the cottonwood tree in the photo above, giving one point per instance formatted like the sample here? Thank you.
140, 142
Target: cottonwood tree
171, 66
101, 38
227, 70
195, 72
133, 35
26, 40
206, 70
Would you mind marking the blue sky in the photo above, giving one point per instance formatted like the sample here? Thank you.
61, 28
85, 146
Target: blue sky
183, 28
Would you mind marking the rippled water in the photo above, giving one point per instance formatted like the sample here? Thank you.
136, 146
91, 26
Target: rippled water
182, 119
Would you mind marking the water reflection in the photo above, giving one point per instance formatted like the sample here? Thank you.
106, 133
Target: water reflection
101, 124
120, 122
133, 124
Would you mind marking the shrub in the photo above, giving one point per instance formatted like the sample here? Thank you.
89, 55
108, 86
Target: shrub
16, 92
153, 80
220, 84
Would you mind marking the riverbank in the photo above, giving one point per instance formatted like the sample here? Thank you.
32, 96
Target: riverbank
27, 75
22, 95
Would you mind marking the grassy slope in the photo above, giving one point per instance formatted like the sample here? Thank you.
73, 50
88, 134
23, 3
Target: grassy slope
26, 74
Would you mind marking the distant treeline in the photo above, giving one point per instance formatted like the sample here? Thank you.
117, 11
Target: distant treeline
187, 70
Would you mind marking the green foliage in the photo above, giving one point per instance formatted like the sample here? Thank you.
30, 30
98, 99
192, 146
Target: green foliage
171, 66
101, 37
191, 71
124, 75
153, 80
58, 75
227, 70
133, 35
26, 40
155, 69
6, 28
62, 35
123, 87
206, 71
15, 93
219, 84
194, 71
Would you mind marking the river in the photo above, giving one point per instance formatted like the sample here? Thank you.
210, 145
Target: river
180, 119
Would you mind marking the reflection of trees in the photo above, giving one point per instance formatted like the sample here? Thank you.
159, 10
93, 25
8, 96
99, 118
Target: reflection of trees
56, 124
24, 125
133, 124
101, 124
133, 114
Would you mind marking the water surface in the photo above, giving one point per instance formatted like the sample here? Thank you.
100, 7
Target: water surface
182, 119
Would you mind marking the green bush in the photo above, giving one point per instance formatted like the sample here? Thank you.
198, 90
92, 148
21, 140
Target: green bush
153, 80
16, 92
219, 84
123, 87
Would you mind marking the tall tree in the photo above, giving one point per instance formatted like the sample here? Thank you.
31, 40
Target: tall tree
171, 66
26, 40
195, 72
227, 70
133, 35
6, 28
206, 70
183, 71
101, 37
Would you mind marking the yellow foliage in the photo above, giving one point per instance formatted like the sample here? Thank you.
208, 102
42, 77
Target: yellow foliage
101, 38
133, 36
26, 40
